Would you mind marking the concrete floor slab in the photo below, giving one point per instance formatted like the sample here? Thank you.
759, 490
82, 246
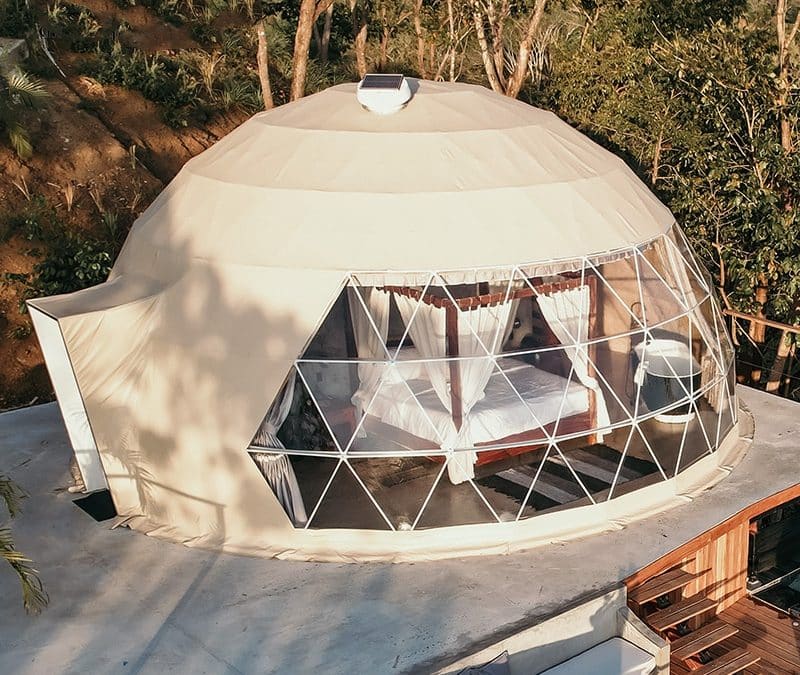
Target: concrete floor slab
122, 602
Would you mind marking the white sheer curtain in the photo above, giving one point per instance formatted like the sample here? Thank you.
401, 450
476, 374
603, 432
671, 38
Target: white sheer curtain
700, 324
370, 340
567, 315
479, 330
427, 332
277, 468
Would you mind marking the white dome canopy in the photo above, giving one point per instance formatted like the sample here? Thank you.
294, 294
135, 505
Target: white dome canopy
324, 184
296, 255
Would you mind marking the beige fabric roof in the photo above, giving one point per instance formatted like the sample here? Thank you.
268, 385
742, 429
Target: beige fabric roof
324, 184
224, 279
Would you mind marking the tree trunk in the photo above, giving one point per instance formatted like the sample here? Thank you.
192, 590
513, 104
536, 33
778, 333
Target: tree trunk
359, 15
326, 35
524, 54
423, 71
451, 28
488, 62
262, 58
310, 11
383, 46
302, 43
776, 372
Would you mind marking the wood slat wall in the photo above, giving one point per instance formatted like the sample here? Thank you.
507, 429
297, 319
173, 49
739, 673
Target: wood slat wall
688, 550
722, 567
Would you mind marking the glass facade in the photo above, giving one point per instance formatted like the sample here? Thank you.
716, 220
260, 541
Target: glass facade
436, 398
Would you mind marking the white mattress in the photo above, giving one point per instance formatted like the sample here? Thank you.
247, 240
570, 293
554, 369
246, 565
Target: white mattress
499, 414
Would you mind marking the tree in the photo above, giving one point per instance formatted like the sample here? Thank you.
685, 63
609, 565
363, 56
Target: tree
262, 60
310, 11
358, 13
34, 597
491, 30
19, 93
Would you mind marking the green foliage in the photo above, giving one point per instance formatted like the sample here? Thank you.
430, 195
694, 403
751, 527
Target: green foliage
19, 93
71, 260
191, 86
77, 25
16, 18
34, 597
694, 109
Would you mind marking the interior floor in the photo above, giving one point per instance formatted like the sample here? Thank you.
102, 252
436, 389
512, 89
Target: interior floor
520, 486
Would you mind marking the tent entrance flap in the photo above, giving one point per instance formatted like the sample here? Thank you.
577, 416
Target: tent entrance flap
69, 400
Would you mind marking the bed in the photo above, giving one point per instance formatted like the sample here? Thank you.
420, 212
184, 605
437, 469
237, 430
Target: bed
417, 413
415, 407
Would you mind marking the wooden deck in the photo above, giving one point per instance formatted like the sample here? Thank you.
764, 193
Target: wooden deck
763, 631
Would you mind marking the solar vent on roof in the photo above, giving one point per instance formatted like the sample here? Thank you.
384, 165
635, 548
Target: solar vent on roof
380, 81
383, 94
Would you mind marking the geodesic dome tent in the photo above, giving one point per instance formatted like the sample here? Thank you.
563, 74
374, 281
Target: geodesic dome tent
337, 334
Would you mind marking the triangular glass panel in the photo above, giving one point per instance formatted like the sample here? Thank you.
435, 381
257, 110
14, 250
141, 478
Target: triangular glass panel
691, 285
660, 302
677, 238
293, 421
406, 410
723, 335
278, 472
346, 504
618, 304
726, 419
313, 476
663, 441
451, 504
637, 465
505, 476
612, 364
697, 442
707, 324
399, 485
350, 329
662, 258
334, 337
548, 311
342, 391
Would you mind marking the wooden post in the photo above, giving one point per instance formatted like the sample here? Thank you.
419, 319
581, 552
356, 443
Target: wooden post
591, 282
778, 365
451, 329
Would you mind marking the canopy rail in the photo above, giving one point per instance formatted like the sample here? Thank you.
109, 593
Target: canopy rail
489, 299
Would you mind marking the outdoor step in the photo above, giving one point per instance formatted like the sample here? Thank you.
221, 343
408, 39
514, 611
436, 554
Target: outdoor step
734, 661
682, 610
700, 639
554, 488
660, 585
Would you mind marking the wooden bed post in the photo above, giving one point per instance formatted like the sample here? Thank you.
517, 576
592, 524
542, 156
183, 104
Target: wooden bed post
591, 282
451, 330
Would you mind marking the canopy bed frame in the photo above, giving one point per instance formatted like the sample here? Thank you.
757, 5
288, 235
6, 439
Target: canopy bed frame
552, 362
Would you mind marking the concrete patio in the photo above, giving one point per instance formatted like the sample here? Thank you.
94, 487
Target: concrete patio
121, 602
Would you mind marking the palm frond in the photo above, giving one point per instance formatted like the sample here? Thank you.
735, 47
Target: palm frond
19, 139
11, 494
34, 597
28, 90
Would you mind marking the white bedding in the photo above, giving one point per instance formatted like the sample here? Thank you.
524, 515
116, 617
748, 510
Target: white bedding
499, 414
